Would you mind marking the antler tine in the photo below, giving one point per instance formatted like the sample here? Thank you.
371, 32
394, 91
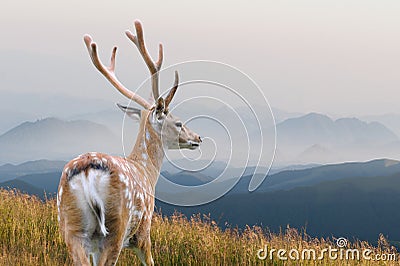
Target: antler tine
109, 74
154, 67
171, 93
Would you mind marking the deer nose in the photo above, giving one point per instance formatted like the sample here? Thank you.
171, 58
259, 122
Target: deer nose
199, 139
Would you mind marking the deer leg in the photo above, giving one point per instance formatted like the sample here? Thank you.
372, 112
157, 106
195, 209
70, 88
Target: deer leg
147, 252
77, 251
110, 255
114, 242
142, 248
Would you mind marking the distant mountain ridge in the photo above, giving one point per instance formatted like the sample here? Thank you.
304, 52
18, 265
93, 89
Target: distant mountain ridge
359, 208
47, 173
285, 180
326, 200
11, 171
290, 179
301, 139
316, 128
316, 138
53, 138
391, 121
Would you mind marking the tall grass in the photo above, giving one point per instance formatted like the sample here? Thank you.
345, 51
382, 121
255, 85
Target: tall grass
29, 236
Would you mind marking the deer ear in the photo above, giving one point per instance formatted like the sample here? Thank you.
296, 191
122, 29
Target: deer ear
160, 107
130, 111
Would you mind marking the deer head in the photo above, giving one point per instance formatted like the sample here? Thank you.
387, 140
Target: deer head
172, 132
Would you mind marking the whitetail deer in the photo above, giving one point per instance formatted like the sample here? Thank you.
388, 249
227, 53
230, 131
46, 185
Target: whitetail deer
105, 202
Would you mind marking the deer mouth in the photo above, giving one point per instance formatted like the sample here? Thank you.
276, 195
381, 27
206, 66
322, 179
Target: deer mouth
194, 145
191, 145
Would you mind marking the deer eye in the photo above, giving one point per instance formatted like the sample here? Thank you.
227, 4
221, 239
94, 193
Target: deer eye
178, 124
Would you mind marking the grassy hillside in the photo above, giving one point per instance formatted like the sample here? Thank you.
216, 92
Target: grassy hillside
29, 236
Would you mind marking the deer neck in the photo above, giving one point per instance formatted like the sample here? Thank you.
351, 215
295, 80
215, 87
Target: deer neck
148, 154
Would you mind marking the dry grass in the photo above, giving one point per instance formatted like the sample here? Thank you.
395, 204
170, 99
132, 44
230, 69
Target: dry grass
29, 236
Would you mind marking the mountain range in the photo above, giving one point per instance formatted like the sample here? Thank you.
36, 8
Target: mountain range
311, 138
316, 128
352, 200
359, 207
53, 138
318, 138
10, 171
391, 121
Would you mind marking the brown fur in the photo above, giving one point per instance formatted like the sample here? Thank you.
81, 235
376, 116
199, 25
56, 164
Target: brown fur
117, 214
129, 201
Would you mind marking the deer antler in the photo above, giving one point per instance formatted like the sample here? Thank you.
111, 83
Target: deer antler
109, 72
171, 93
154, 67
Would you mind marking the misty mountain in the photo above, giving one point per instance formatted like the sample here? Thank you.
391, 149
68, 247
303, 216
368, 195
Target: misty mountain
187, 178
318, 151
18, 107
23, 187
11, 171
112, 117
350, 200
361, 207
311, 138
47, 182
282, 115
10, 119
53, 138
289, 179
320, 129
209, 171
391, 121
317, 138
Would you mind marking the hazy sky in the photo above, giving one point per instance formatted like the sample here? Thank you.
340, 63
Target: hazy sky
340, 57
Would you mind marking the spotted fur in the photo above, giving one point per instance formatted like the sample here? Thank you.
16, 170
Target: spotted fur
124, 212
106, 202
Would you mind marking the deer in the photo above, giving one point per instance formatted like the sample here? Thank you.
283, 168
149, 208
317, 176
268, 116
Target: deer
105, 203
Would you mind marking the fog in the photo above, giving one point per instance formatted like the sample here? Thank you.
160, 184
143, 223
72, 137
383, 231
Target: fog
329, 57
